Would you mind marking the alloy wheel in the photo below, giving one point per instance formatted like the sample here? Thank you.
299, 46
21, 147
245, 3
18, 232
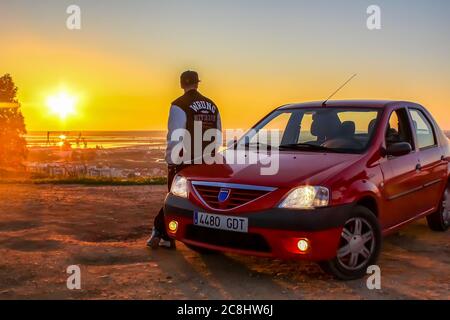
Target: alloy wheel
357, 244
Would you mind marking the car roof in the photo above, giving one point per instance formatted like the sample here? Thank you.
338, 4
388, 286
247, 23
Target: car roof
377, 104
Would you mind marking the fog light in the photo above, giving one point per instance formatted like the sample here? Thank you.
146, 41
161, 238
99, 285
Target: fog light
173, 226
303, 245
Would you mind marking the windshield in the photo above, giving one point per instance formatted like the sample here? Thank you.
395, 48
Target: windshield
346, 130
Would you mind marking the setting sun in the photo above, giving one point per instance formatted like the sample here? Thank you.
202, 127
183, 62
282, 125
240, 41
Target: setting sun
62, 104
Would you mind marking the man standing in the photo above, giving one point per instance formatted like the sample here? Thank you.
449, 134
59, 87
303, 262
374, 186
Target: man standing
189, 112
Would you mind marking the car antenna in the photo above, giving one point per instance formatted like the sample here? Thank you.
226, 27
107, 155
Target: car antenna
324, 104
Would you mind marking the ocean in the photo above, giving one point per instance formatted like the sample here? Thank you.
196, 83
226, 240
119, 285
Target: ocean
97, 139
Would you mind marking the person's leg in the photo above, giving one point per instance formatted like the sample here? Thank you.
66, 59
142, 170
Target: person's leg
159, 226
159, 237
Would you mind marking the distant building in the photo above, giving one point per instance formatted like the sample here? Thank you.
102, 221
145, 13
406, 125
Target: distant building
75, 170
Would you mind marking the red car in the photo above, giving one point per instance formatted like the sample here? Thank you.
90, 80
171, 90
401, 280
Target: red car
349, 173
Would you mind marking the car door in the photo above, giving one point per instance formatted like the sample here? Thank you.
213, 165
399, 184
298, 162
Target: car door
433, 168
401, 177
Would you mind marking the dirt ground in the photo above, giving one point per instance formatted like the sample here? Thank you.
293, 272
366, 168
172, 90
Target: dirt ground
46, 228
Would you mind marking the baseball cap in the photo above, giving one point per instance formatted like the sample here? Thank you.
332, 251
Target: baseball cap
189, 77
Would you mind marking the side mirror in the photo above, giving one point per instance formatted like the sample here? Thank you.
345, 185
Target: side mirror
398, 149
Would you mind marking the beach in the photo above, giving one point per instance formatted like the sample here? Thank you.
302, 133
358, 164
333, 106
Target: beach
46, 228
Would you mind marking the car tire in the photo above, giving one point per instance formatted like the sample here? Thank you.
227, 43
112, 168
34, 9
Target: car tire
359, 246
200, 250
440, 220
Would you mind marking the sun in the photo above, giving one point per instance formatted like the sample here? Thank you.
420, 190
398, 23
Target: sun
62, 104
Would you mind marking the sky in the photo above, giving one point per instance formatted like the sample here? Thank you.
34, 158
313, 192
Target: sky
122, 68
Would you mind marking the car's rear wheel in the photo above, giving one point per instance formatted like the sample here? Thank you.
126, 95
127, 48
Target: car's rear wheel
440, 220
201, 250
359, 246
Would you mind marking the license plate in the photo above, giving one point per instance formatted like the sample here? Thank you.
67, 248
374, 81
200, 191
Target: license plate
220, 222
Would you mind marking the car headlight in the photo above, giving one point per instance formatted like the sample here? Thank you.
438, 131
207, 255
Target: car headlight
307, 197
179, 187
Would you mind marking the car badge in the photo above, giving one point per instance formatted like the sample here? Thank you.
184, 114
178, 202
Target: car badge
224, 194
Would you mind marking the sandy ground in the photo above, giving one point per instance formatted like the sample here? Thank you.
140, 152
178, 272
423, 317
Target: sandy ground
46, 228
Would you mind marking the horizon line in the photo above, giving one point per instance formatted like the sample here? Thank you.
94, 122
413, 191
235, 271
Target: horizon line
130, 130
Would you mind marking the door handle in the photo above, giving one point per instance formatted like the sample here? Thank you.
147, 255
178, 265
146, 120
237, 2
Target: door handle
418, 167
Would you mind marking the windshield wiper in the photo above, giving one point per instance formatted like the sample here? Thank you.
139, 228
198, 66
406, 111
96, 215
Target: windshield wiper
297, 146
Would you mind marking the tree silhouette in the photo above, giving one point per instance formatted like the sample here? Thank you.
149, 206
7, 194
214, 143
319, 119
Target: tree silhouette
13, 147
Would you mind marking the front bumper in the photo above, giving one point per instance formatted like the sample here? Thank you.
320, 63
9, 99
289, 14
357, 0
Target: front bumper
272, 233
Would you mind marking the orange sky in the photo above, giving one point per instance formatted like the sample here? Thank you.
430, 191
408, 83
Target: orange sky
123, 66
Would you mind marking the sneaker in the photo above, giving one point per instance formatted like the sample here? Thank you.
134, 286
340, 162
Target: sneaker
154, 240
169, 244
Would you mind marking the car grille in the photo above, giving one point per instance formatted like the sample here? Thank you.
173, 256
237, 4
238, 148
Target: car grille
228, 239
238, 196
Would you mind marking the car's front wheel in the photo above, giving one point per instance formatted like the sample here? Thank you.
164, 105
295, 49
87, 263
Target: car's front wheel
359, 246
440, 220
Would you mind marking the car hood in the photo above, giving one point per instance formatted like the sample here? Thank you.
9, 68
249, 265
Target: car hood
294, 168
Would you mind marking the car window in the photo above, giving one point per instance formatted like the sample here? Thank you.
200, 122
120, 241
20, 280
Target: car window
337, 129
398, 129
305, 130
423, 128
277, 126
364, 121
